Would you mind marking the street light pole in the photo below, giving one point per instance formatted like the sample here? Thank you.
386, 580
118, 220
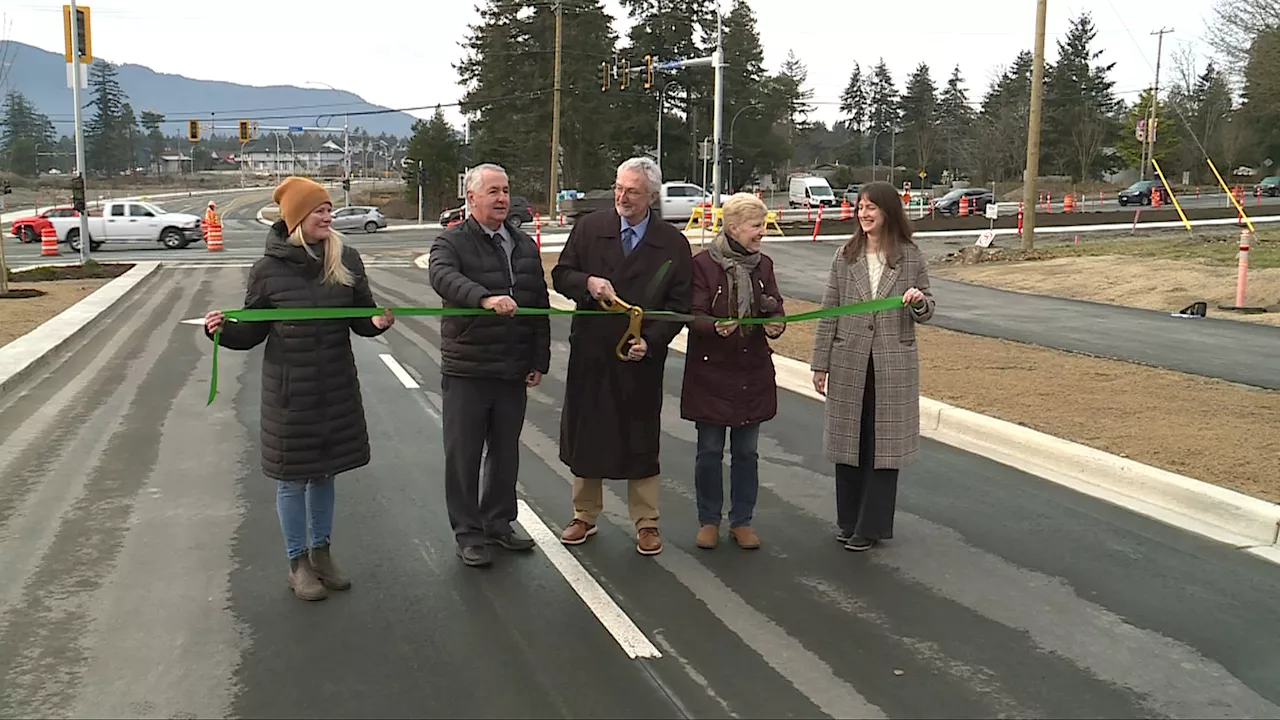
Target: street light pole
717, 124
79, 120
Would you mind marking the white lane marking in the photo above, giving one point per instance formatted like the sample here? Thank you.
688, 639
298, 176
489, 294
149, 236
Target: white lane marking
620, 626
398, 370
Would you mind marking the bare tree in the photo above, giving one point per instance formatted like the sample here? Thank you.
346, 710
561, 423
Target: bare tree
1235, 24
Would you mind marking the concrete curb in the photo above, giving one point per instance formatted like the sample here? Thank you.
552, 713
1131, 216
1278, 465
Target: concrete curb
20, 358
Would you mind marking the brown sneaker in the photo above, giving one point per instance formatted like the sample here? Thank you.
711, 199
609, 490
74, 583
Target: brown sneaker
708, 536
303, 580
327, 570
577, 532
745, 537
648, 541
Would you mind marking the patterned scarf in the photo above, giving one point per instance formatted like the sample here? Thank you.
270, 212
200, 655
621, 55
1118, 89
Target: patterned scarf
738, 263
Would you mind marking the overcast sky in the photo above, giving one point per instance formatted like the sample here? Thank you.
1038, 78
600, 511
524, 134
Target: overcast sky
399, 53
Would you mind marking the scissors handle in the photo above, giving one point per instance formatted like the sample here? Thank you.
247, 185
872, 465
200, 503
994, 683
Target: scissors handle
635, 316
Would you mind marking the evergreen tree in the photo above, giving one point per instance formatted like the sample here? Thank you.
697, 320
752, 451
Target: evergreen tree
853, 107
1005, 113
131, 146
1082, 114
882, 111
437, 145
105, 134
23, 133
956, 121
1168, 139
919, 106
155, 144
755, 149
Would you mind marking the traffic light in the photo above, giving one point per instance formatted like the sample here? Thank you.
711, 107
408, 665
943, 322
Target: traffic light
604, 76
193, 130
626, 70
648, 70
84, 33
244, 131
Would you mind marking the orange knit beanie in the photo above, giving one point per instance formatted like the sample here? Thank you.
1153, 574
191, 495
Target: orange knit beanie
297, 197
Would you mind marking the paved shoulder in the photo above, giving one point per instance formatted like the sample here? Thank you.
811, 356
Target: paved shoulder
1225, 349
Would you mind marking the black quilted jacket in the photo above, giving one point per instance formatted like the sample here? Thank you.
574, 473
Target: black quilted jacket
466, 267
313, 420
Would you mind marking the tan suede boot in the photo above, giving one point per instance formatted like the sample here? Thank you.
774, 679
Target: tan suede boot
708, 537
303, 580
327, 570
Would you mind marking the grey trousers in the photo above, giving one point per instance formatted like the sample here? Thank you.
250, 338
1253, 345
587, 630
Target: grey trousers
866, 497
480, 413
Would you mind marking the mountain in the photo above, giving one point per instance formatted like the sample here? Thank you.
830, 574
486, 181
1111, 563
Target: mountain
41, 76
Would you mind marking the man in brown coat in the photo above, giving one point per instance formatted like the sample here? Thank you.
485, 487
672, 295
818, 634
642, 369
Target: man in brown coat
611, 422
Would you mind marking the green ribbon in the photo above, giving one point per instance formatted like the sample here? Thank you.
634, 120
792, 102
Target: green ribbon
349, 313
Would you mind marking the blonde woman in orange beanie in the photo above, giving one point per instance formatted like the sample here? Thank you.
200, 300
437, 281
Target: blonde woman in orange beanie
312, 413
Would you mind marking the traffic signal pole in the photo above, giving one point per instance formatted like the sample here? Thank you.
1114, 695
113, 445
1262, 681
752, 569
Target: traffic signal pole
76, 53
716, 61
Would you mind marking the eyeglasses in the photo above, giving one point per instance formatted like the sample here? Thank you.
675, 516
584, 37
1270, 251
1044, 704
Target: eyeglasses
629, 192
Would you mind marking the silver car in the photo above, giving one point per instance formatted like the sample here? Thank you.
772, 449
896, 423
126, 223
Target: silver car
367, 217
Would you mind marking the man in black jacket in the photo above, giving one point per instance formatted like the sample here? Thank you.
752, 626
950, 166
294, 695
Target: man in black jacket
487, 362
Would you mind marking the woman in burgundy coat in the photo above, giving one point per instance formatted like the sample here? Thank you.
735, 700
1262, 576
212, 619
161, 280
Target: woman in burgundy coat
728, 371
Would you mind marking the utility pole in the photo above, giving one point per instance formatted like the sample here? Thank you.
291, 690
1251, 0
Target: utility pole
555, 116
1032, 170
79, 120
1149, 139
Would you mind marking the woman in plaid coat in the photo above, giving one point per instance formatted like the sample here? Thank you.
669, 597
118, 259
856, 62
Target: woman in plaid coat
867, 367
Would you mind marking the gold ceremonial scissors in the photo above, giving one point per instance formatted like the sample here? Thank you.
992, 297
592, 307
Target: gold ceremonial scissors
635, 315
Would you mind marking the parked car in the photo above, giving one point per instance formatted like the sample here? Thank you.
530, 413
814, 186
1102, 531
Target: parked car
131, 221
979, 199
367, 217
1270, 186
28, 229
1138, 193
811, 191
519, 212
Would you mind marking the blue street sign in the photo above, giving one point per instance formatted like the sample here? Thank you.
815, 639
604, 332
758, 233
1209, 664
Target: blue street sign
669, 65
295, 128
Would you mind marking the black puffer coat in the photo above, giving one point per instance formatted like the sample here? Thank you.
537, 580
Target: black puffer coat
312, 413
467, 266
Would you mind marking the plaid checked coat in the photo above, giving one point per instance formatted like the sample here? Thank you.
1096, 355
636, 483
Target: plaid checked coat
842, 345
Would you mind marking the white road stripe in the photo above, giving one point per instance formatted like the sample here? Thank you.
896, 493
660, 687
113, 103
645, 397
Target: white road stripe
620, 626
398, 370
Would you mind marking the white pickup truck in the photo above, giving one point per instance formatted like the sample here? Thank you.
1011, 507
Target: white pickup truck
131, 221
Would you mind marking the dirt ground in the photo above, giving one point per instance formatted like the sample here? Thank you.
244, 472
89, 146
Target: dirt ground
1206, 429
20, 316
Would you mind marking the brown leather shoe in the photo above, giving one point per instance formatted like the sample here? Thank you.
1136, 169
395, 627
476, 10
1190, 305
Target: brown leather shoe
745, 537
327, 570
302, 578
648, 541
577, 532
708, 536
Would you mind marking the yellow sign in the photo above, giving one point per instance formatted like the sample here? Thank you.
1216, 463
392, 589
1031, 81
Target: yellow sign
84, 33
193, 130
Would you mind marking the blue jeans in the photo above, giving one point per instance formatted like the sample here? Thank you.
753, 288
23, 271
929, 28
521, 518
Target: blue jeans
744, 475
298, 499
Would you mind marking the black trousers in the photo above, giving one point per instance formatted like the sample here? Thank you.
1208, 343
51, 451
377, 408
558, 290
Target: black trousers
480, 414
865, 496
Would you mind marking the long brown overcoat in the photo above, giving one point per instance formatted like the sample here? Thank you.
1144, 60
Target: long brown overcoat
612, 418
842, 346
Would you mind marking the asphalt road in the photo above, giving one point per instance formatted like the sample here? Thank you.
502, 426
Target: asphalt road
144, 573
1212, 347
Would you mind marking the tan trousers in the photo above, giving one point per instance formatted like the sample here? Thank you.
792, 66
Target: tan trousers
642, 500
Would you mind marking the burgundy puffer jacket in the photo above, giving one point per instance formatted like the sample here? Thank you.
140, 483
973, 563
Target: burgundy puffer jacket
729, 380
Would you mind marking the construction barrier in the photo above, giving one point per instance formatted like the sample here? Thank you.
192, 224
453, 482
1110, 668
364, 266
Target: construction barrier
213, 237
48, 241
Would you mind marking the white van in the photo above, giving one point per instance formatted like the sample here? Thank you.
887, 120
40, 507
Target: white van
811, 191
